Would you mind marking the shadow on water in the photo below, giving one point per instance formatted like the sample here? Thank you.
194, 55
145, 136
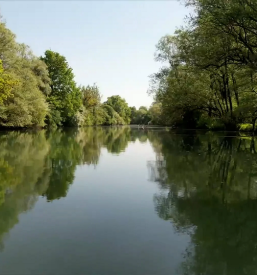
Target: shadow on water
208, 190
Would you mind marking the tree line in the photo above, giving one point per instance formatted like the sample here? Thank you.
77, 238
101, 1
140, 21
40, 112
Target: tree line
41, 91
208, 78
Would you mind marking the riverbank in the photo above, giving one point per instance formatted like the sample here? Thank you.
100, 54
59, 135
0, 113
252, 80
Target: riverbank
184, 131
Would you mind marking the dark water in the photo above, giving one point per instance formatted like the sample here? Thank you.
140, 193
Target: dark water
127, 202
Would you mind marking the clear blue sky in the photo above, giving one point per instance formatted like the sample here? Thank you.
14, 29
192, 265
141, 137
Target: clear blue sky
111, 43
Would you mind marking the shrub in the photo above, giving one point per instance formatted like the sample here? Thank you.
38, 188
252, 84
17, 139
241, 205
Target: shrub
246, 127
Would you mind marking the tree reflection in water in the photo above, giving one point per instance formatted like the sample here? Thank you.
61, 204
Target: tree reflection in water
210, 185
43, 163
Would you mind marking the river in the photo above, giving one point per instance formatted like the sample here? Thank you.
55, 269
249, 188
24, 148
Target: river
118, 200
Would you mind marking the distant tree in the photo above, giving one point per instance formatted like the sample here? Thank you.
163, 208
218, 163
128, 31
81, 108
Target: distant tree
143, 108
140, 116
91, 96
120, 106
133, 115
155, 112
112, 117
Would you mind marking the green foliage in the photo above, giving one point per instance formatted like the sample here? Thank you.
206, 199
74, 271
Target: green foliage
93, 112
206, 122
90, 96
23, 103
112, 117
246, 127
140, 116
120, 106
155, 112
100, 115
65, 97
53, 117
133, 114
209, 68
42, 91
7, 83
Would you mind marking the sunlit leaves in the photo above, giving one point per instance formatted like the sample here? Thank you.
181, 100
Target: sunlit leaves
6, 84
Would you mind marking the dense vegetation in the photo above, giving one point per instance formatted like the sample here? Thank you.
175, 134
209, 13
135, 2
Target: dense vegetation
209, 77
41, 91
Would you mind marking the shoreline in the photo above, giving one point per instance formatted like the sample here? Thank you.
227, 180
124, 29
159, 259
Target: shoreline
133, 126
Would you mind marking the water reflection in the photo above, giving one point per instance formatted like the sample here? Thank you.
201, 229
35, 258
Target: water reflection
207, 186
117, 139
24, 174
42, 163
208, 189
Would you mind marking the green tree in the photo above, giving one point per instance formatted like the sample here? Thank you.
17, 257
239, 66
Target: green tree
155, 112
209, 67
236, 19
91, 96
120, 106
65, 99
27, 106
140, 116
7, 83
112, 117
93, 113
133, 115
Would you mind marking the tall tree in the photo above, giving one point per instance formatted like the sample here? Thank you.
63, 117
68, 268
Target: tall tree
209, 73
65, 98
26, 106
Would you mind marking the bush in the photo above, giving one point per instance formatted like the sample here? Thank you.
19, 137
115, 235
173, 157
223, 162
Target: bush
53, 118
217, 125
246, 127
210, 123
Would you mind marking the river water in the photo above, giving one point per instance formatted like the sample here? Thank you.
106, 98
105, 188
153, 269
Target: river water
107, 201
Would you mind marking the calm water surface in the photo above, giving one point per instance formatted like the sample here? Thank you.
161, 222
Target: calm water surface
107, 201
